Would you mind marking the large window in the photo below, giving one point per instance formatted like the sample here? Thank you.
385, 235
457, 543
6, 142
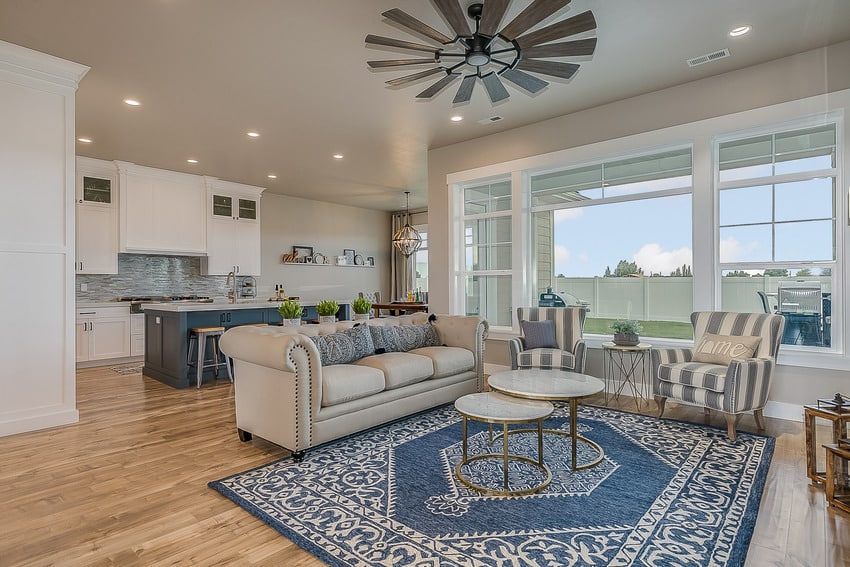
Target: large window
420, 260
776, 228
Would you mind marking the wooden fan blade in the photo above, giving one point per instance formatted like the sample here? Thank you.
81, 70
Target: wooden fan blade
438, 86
495, 89
553, 68
411, 23
571, 26
414, 77
491, 16
464, 91
455, 16
390, 42
528, 82
563, 49
535, 13
399, 62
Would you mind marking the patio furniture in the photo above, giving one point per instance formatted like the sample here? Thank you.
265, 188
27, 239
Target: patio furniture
801, 303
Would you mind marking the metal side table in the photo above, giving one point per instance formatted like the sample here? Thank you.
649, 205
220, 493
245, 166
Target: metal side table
632, 364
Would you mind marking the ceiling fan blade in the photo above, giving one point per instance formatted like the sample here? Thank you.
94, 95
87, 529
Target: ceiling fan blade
438, 86
491, 16
528, 82
390, 42
495, 89
455, 16
414, 77
464, 91
571, 26
535, 13
553, 68
563, 49
399, 62
408, 21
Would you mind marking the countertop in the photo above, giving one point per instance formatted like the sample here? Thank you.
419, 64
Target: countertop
224, 305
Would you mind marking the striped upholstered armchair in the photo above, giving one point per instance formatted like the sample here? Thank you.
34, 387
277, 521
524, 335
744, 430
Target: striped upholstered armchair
728, 370
551, 339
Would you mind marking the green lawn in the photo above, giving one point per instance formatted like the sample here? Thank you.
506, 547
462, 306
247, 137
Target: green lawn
660, 329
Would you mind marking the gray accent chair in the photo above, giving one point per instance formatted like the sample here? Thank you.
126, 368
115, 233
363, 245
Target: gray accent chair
741, 386
569, 329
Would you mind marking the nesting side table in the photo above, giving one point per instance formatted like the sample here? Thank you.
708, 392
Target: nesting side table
840, 429
837, 488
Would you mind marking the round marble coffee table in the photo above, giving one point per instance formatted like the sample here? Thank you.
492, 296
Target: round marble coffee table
490, 408
553, 385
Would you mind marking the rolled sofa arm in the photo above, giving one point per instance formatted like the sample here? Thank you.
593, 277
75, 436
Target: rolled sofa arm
465, 331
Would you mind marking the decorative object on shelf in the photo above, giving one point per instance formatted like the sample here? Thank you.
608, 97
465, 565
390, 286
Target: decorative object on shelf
370, 261
358, 260
361, 307
626, 332
303, 252
488, 52
319, 258
291, 311
407, 239
341, 261
327, 309
349, 256
289, 258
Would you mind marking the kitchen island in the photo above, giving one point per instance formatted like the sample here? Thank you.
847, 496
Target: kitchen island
167, 328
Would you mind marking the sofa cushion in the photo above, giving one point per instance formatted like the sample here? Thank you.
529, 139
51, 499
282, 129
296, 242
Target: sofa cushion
402, 338
400, 368
721, 349
447, 360
547, 359
539, 334
346, 382
694, 374
344, 346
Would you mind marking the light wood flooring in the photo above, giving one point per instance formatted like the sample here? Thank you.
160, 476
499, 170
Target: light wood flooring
127, 486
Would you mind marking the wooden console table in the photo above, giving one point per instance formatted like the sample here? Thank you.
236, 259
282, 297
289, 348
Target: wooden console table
840, 423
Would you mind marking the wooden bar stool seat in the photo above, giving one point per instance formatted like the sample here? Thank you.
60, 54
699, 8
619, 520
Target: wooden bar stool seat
201, 335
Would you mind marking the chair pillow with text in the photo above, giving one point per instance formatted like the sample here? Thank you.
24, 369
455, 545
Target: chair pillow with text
721, 349
539, 334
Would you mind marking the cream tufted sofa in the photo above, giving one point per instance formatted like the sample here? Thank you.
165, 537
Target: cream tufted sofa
286, 395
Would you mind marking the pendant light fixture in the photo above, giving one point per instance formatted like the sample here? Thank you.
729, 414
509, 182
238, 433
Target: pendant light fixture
407, 239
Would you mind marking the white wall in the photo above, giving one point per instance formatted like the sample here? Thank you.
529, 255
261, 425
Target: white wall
805, 77
37, 378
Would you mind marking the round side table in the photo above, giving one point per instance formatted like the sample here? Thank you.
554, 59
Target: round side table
631, 363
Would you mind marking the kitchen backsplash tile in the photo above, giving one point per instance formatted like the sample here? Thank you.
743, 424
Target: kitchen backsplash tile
149, 275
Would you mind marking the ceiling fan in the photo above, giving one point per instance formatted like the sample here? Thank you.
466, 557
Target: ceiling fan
486, 52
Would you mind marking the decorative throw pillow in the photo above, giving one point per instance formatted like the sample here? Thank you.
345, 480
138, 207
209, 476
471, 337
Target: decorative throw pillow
384, 339
539, 334
721, 349
403, 338
345, 346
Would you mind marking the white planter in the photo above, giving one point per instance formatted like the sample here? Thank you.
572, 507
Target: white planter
292, 322
327, 318
361, 316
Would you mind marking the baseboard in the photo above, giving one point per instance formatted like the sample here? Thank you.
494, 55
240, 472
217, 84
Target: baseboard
783, 410
37, 419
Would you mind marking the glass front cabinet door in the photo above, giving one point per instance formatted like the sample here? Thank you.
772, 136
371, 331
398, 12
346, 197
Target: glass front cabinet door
96, 190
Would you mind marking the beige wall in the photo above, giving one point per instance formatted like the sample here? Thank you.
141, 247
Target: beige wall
328, 228
808, 74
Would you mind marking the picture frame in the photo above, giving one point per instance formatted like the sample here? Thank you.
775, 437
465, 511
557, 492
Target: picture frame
370, 260
341, 261
349, 256
303, 253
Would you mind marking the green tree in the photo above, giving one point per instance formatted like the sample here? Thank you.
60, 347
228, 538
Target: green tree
804, 272
625, 269
683, 271
737, 274
776, 272
607, 271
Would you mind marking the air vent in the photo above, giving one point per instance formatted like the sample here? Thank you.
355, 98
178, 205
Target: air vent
708, 58
490, 120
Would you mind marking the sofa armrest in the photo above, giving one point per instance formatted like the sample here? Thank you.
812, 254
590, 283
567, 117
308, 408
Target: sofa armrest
661, 356
747, 384
465, 331
516, 345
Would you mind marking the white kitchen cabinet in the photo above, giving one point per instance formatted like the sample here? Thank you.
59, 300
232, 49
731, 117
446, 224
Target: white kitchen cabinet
160, 211
233, 228
137, 334
97, 217
103, 333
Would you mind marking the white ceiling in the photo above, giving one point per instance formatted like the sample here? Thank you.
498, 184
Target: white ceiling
208, 71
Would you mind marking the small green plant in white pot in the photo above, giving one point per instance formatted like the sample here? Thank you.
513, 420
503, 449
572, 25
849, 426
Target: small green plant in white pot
626, 332
291, 311
361, 307
327, 309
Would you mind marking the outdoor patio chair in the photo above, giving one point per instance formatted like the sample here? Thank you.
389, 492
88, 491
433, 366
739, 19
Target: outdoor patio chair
552, 339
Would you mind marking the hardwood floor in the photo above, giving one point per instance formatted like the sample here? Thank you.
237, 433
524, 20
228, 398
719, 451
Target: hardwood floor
127, 486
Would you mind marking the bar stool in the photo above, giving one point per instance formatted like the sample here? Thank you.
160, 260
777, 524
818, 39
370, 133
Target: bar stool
201, 335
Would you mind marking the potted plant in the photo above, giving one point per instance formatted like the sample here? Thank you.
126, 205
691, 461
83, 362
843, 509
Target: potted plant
361, 307
291, 311
626, 332
327, 309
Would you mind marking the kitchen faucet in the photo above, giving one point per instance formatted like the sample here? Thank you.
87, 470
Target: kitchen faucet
231, 295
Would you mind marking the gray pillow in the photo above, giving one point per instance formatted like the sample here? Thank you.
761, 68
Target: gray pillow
403, 338
539, 334
345, 346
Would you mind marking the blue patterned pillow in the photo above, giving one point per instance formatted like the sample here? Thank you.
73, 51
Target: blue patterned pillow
345, 346
539, 334
403, 338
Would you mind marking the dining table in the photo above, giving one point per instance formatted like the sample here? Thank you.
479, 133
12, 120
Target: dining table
400, 307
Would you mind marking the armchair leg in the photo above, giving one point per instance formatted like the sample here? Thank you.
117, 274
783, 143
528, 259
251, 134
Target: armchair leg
757, 413
660, 400
732, 420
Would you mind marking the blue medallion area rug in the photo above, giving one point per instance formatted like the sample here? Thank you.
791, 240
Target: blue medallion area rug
667, 493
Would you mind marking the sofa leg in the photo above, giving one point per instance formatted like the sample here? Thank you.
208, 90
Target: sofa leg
298, 456
732, 422
244, 436
660, 401
757, 413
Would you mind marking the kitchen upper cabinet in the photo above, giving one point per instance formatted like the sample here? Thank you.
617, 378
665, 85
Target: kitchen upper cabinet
103, 333
161, 211
97, 217
233, 228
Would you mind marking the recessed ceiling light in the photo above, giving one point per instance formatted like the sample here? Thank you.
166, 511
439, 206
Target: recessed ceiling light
338, 156
84, 140
192, 160
456, 118
272, 176
254, 134
740, 30
132, 102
